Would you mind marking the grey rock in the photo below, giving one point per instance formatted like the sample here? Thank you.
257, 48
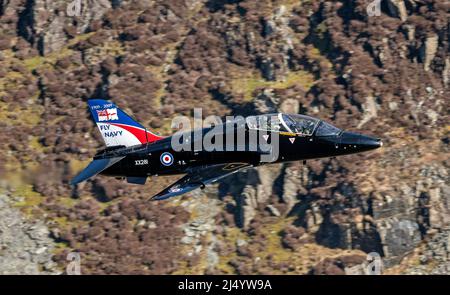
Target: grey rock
274, 211
25, 245
397, 8
446, 72
212, 258
151, 225
429, 50
436, 254
199, 230
186, 240
48, 28
370, 110
241, 242
295, 177
290, 105
247, 206
266, 102
398, 237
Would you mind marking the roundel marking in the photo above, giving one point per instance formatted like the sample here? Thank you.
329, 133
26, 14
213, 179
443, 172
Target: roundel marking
174, 189
166, 159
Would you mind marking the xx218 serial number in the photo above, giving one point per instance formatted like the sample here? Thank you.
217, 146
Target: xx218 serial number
141, 162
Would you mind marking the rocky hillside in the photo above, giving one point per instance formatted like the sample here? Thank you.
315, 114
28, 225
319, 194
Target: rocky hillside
386, 75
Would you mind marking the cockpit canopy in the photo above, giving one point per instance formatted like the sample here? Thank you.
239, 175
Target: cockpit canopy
299, 124
294, 123
325, 129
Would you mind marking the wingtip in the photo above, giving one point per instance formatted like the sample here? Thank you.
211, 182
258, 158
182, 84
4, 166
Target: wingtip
154, 198
74, 181
160, 197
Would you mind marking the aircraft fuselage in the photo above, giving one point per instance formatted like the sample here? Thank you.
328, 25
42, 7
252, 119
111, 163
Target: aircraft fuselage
146, 159
212, 153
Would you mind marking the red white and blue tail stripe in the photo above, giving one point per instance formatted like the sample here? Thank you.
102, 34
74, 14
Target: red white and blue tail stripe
116, 127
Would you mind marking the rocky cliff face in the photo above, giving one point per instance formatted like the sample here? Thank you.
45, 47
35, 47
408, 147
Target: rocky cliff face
386, 75
26, 245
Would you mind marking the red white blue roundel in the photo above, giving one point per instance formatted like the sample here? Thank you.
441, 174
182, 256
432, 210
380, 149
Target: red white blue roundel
175, 189
166, 159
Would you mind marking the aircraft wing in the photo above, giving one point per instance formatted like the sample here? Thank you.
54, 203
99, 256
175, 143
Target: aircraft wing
199, 177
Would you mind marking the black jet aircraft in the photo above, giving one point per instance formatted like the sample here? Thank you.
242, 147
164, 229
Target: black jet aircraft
134, 153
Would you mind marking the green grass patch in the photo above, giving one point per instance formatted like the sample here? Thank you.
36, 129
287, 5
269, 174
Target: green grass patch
247, 84
36, 62
232, 235
31, 199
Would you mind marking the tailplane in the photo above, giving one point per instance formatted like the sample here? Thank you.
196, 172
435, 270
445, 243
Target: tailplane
94, 168
118, 128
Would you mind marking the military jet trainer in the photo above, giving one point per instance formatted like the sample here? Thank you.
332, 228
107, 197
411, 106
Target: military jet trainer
134, 153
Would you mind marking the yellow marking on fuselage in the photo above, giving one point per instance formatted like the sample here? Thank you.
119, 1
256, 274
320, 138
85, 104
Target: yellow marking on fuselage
287, 133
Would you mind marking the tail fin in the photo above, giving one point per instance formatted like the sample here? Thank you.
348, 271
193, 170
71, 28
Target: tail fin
116, 127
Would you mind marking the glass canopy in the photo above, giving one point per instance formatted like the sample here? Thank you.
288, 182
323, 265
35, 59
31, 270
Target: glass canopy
299, 124
269, 122
325, 129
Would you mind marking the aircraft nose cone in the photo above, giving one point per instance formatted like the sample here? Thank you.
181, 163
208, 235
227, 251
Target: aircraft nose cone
370, 142
359, 142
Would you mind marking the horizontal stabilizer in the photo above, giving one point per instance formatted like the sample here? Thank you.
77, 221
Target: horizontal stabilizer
137, 180
94, 168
